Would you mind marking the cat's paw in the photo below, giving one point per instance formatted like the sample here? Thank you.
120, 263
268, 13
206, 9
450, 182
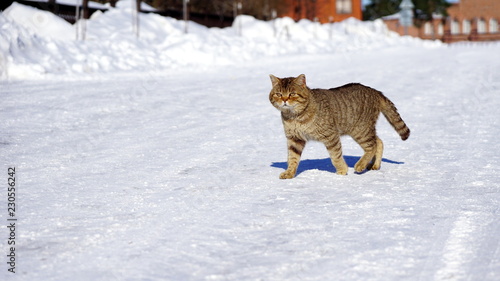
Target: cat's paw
287, 175
342, 172
341, 169
375, 166
359, 167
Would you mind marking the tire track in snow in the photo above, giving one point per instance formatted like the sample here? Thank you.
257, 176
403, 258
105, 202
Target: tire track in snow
469, 245
458, 250
488, 254
472, 240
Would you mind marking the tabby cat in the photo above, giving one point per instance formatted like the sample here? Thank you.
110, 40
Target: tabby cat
326, 115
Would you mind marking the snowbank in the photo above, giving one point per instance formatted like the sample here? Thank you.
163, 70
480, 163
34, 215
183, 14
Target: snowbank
35, 43
40, 22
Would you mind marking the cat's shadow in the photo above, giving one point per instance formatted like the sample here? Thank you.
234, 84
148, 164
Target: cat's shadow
325, 164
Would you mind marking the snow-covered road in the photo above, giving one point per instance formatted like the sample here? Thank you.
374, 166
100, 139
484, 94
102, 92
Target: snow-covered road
173, 175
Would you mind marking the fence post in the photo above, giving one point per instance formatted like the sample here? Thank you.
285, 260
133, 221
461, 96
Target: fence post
77, 17
138, 9
52, 5
185, 15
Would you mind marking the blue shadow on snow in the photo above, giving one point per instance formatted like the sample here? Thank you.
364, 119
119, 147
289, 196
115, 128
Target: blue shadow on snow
325, 164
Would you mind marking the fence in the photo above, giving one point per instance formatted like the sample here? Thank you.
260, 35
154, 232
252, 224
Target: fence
68, 12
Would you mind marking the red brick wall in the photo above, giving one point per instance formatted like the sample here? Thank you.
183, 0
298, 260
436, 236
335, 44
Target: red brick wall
323, 10
473, 8
474, 12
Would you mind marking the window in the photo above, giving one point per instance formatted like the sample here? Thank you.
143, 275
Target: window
427, 28
466, 27
440, 29
481, 26
493, 26
344, 6
455, 27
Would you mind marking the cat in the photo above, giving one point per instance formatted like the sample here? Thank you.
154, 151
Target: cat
326, 115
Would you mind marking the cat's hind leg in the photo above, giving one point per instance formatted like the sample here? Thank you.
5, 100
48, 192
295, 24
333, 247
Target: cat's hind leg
378, 155
369, 144
334, 148
295, 148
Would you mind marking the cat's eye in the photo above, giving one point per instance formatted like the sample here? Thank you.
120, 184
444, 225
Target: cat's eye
292, 94
278, 94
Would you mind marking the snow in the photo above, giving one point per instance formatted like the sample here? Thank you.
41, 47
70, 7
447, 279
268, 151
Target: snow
38, 44
92, 4
158, 158
125, 4
396, 16
39, 22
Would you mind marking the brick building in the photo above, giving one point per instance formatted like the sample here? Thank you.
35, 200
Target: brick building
322, 10
468, 20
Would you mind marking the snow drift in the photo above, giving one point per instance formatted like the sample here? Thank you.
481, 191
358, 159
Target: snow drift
35, 43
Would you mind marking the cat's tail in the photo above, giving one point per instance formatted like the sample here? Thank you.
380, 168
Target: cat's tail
391, 114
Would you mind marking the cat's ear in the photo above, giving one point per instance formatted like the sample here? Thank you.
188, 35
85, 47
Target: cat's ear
275, 80
301, 80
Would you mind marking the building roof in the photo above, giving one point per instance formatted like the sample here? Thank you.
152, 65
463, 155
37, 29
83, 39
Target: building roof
397, 15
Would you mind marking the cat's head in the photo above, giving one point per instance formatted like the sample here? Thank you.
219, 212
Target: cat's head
289, 95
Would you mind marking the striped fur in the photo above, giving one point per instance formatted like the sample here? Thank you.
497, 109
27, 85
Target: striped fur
326, 115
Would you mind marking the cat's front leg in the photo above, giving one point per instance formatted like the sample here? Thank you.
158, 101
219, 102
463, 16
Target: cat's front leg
295, 148
334, 148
